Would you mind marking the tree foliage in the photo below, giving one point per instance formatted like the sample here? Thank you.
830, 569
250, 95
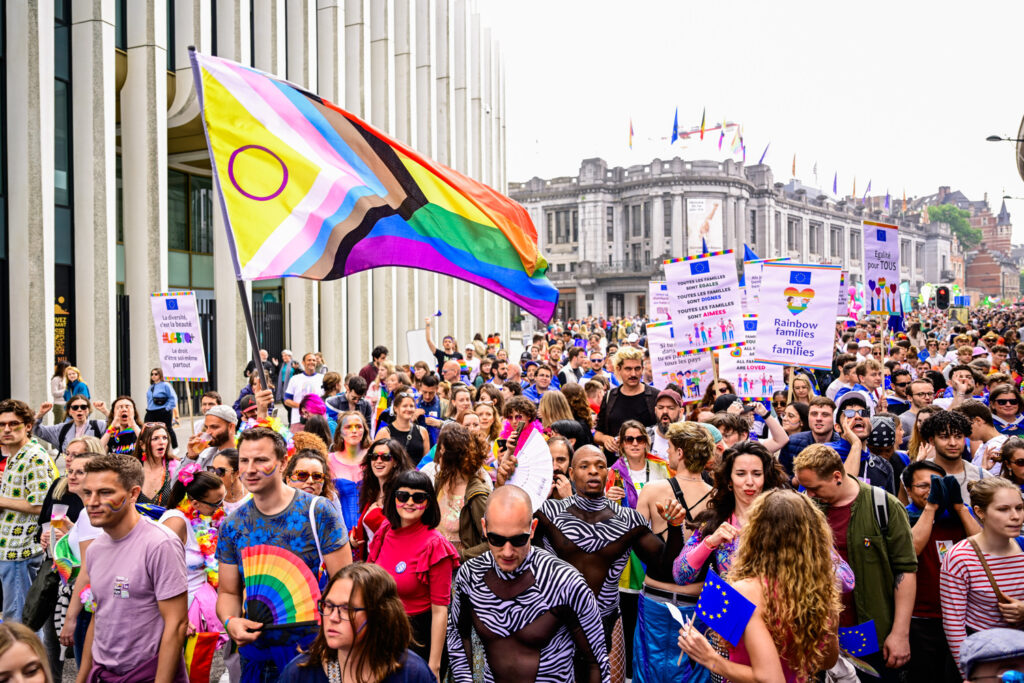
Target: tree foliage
958, 221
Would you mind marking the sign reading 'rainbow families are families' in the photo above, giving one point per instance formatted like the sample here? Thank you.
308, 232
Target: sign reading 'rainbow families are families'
796, 324
704, 302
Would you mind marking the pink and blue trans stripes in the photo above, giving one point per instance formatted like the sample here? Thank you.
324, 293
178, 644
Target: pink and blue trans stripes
391, 242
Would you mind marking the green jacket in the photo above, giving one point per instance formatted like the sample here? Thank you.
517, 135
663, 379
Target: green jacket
876, 560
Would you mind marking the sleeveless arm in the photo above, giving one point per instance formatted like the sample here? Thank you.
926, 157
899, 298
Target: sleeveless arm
659, 555
458, 637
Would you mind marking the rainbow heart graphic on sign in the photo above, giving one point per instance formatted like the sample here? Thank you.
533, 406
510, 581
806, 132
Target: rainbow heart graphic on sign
798, 299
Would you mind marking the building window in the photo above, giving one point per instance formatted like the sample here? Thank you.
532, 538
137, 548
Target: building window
637, 221
814, 239
778, 230
647, 219
189, 231
919, 256
121, 24
170, 35
752, 228
609, 224
792, 232
836, 242
551, 227
575, 226
855, 244
666, 211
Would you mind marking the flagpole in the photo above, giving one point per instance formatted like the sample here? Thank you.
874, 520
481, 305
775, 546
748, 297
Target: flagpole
244, 296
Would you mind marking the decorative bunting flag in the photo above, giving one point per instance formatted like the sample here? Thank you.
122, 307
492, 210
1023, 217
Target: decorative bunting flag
702, 123
675, 126
631, 132
309, 190
835, 179
761, 160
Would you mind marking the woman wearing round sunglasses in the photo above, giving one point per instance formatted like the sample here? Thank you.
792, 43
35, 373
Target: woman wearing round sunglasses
225, 466
1011, 455
1005, 402
61, 434
194, 513
307, 471
351, 439
384, 461
364, 636
422, 561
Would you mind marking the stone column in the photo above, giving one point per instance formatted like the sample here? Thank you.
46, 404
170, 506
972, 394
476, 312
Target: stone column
330, 76
359, 312
300, 295
728, 223
461, 115
658, 227
30, 212
678, 230
382, 74
407, 280
144, 178
268, 18
423, 39
478, 297
233, 348
743, 223
93, 99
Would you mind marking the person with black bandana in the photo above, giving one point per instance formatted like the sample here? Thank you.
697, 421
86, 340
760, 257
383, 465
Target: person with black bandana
596, 536
534, 613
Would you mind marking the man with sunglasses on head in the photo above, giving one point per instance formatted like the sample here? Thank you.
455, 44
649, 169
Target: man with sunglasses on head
600, 546
534, 613
276, 519
78, 424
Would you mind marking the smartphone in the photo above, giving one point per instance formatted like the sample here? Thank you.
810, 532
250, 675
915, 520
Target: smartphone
502, 443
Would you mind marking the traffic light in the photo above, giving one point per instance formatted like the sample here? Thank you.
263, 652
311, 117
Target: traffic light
942, 297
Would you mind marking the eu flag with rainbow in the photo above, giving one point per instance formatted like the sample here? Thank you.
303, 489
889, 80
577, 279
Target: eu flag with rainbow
309, 190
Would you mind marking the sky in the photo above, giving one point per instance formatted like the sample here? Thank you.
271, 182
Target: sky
902, 93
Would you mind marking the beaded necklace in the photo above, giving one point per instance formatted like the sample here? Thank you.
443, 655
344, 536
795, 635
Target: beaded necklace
205, 530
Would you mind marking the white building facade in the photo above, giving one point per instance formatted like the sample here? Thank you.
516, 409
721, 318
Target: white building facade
607, 231
107, 196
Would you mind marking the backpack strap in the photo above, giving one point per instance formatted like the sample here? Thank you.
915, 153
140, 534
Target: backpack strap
312, 526
881, 508
95, 428
1000, 596
64, 432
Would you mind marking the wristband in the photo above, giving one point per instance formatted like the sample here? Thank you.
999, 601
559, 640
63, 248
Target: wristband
226, 622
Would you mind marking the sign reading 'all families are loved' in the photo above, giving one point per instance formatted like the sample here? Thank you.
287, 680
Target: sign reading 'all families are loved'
796, 325
704, 302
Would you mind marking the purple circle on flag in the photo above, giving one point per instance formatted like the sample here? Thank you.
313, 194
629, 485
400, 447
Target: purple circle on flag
231, 173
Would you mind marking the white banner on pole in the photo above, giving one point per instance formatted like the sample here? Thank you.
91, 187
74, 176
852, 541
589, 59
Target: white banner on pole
417, 348
704, 301
796, 325
659, 308
882, 268
178, 338
704, 224
752, 378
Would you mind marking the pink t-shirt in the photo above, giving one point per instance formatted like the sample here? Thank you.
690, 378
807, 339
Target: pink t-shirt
128, 578
344, 470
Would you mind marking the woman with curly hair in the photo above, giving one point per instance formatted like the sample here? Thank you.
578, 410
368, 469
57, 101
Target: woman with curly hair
365, 634
746, 470
463, 487
576, 396
153, 449
784, 568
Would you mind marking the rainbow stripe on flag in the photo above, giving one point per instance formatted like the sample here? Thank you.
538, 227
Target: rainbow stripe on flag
309, 190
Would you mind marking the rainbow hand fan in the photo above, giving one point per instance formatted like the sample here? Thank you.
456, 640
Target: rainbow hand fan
64, 560
280, 590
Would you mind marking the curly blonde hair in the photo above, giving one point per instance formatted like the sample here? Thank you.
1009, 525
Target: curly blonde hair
787, 548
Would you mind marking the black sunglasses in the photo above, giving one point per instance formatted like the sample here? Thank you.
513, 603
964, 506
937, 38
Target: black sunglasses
634, 439
78, 407
418, 497
219, 471
1006, 401
498, 541
383, 457
901, 385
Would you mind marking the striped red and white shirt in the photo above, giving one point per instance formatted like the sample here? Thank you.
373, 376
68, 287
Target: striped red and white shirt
968, 600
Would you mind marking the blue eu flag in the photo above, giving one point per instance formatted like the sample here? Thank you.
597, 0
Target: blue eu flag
700, 267
800, 277
724, 609
859, 640
880, 235
171, 304
750, 326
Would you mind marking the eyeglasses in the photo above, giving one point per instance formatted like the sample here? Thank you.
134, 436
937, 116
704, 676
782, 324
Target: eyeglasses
344, 612
634, 439
419, 497
215, 506
921, 394
13, 426
219, 471
1019, 462
499, 541
78, 407
1006, 401
856, 412
383, 457
302, 475
597, 360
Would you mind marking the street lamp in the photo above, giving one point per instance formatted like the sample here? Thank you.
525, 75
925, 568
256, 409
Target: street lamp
999, 138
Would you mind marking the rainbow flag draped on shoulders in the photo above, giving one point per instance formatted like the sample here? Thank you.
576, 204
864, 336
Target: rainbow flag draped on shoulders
309, 190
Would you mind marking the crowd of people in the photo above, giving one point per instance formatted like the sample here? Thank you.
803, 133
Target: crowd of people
360, 525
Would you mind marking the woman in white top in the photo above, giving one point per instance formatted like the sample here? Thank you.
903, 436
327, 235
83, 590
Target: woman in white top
195, 510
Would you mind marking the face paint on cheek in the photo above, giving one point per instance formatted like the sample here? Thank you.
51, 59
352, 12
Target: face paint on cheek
119, 506
268, 473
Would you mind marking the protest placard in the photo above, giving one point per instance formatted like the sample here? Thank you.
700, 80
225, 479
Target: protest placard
691, 372
704, 302
659, 308
178, 338
882, 268
796, 324
752, 378
752, 271
842, 304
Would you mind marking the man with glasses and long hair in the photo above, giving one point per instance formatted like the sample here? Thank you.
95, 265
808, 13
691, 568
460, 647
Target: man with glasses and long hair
534, 613
921, 393
23, 486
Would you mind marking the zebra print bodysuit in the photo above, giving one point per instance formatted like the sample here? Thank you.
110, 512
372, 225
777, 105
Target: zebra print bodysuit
539, 623
595, 535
